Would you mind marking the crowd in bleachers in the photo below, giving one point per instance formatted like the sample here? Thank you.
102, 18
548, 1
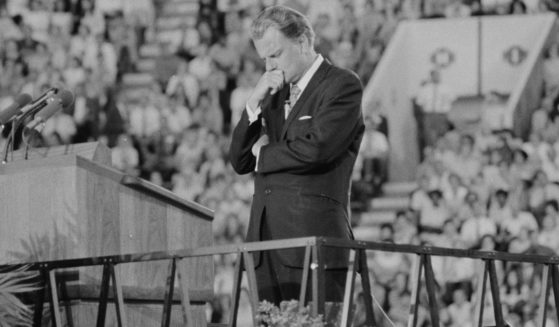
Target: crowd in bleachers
176, 131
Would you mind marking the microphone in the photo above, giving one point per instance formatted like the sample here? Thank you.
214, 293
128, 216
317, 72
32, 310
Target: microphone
40, 101
9, 113
51, 106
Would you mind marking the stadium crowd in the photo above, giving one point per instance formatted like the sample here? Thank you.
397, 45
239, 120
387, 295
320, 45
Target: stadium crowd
490, 190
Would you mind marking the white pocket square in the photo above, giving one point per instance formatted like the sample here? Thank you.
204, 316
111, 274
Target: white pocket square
305, 117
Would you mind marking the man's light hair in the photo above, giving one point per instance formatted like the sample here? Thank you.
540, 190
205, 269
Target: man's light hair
291, 23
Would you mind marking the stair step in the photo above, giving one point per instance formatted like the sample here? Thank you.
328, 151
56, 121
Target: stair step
173, 8
137, 80
146, 65
377, 218
170, 23
150, 50
165, 36
366, 233
389, 203
399, 188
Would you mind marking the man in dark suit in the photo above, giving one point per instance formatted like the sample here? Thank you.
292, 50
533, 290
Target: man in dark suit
300, 134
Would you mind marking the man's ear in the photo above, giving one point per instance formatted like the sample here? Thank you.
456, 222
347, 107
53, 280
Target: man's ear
304, 43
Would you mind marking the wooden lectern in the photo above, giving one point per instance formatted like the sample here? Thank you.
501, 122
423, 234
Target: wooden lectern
68, 202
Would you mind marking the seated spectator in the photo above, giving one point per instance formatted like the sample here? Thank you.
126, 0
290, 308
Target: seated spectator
419, 198
476, 226
460, 311
549, 228
144, 118
454, 192
176, 115
467, 163
184, 82
59, 129
434, 214
74, 73
405, 228
500, 208
540, 192
188, 184
374, 152
125, 157
518, 222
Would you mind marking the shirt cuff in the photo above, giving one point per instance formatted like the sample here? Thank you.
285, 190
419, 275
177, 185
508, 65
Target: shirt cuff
253, 114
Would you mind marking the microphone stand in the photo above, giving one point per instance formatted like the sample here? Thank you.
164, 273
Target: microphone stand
16, 123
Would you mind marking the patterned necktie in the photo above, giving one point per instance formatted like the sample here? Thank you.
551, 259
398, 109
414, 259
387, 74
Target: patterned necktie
293, 95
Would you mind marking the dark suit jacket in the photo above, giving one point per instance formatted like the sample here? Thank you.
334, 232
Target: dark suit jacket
304, 173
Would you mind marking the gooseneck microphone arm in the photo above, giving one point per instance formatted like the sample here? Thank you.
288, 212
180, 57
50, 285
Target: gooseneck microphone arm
16, 123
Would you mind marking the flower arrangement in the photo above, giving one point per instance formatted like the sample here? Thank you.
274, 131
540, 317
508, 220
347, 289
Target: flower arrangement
287, 315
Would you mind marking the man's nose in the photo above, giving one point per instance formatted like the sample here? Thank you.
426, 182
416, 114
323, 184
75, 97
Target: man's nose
270, 65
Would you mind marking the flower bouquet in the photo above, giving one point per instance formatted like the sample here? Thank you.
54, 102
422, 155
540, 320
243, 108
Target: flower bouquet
287, 315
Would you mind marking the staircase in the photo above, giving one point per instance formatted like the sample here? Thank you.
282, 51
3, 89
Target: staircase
395, 197
174, 15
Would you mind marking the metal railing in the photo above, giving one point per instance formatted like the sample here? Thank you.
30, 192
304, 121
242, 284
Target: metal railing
313, 272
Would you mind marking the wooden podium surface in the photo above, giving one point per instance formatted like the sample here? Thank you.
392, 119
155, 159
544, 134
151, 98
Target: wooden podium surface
68, 202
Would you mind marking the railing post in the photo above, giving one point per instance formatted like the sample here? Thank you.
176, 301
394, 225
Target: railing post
430, 284
305, 278
169, 289
542, 310
494, 284
367, 297
555, 285
54, 307
415, 278
252, 287
103, 297
318, 284
185, 296
349, 286
480, 292
236, 290
40, 300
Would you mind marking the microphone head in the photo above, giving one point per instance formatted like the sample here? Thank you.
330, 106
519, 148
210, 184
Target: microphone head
23, 99
7, 114
65, 97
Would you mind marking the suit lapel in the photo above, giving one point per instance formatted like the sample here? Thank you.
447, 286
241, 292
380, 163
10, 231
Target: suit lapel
277, 114
318, 76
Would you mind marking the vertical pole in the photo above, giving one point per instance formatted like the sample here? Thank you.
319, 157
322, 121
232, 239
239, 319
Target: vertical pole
430, 284
480, 292
236, 291
349, 286
494, 283
367, 297
103, 297
542, 311
40, 300
415, 278
185, 296
119, 299
252, 287
169, 289
318, 281
305, 278
54, 307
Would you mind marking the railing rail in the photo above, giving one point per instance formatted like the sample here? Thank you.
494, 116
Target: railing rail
315, 248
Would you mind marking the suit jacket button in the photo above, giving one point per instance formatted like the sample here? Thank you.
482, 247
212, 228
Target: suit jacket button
267, 191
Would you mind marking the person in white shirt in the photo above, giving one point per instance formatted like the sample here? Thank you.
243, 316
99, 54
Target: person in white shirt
434, 101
